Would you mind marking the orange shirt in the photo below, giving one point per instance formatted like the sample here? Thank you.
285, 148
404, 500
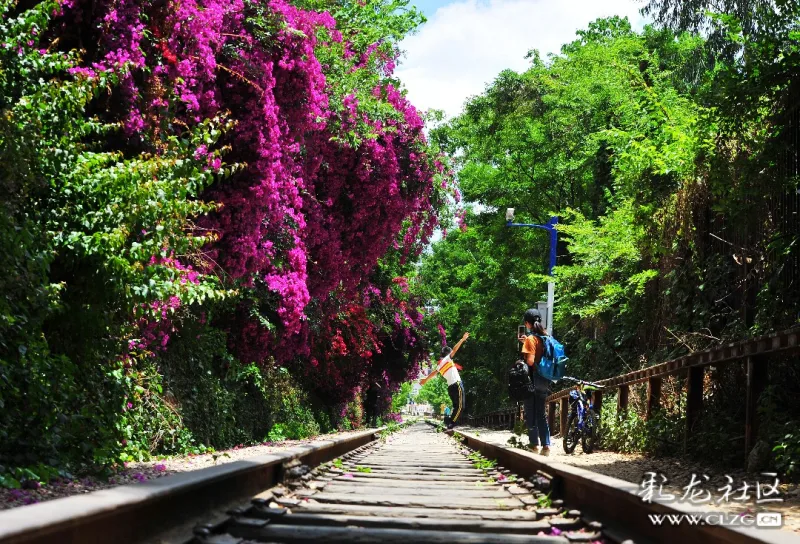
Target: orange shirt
533, 344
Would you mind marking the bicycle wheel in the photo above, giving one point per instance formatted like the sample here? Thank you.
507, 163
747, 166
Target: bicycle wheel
571, 434
590, 432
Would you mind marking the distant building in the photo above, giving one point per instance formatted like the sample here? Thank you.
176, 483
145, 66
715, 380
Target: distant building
422, 410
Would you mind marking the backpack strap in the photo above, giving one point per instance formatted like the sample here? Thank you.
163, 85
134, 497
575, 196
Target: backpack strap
547, 350
532, 369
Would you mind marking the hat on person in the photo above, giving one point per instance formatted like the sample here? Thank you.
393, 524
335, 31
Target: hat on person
532, 315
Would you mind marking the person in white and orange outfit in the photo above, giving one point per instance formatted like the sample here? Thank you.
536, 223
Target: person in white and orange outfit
455, 387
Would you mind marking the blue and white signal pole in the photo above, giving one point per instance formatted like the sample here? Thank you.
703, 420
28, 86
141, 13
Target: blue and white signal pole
550, 227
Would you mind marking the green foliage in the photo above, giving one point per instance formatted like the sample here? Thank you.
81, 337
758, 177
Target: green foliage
637, 140
80, 226
515, 442
647, 146
101, 252
562, 138
352, 416
15, 478
147, 423
629, 432
787, 452
606, 272
401, 397
380, 24
434, 392
623, 432
520, 428
302, 425
277, 433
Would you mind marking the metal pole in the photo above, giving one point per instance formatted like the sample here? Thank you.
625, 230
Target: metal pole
551, 285
551, 228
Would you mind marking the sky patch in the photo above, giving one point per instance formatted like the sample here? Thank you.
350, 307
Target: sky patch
466, 43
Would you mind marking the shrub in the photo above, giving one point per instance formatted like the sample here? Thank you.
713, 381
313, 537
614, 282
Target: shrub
787, 452
138, 315
662, 434
277, 433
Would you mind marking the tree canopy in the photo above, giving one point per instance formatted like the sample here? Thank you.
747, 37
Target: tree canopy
650, 147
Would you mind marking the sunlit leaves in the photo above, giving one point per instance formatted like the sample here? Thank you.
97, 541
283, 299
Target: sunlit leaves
606, 262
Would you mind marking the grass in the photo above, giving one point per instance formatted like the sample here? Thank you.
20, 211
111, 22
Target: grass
545, 501
481, 462
392, 427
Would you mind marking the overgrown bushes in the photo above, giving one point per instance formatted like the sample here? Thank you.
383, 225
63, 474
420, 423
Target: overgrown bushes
719, 432
630, 432
191, 252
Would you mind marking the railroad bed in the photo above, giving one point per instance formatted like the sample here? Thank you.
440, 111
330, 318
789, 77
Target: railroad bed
417, 486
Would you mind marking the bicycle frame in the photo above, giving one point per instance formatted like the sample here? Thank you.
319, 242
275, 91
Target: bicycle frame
580, 405
580, 415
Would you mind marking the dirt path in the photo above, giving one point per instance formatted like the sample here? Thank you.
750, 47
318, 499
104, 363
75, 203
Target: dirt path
634, 468
141, 472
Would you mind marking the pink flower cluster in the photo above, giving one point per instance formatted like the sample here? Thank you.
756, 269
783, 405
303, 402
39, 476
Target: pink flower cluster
153, 321
461, 220
310, 217
442, 334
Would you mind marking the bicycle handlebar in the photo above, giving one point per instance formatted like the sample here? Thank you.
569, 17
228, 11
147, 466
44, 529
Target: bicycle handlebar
582, 382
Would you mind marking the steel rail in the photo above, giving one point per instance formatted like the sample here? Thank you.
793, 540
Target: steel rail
138, 512
614, 500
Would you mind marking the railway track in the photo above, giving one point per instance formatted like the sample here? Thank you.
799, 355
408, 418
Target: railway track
419, 486
415, 486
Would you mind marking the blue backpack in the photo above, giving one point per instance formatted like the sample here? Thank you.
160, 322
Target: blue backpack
553, 365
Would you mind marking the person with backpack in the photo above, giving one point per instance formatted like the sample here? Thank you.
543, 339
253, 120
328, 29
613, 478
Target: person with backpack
533, 345
455, 387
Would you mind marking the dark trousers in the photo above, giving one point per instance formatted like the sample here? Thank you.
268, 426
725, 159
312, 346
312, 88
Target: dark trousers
456, 392
371, 416
371, 409
536, 416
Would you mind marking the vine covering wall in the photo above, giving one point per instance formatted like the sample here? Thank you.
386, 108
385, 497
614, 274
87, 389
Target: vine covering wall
210, 202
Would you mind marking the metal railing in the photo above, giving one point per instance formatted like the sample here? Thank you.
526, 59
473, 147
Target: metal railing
754, 353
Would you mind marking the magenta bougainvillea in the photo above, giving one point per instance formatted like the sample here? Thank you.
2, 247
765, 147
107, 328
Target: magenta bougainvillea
334, 177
